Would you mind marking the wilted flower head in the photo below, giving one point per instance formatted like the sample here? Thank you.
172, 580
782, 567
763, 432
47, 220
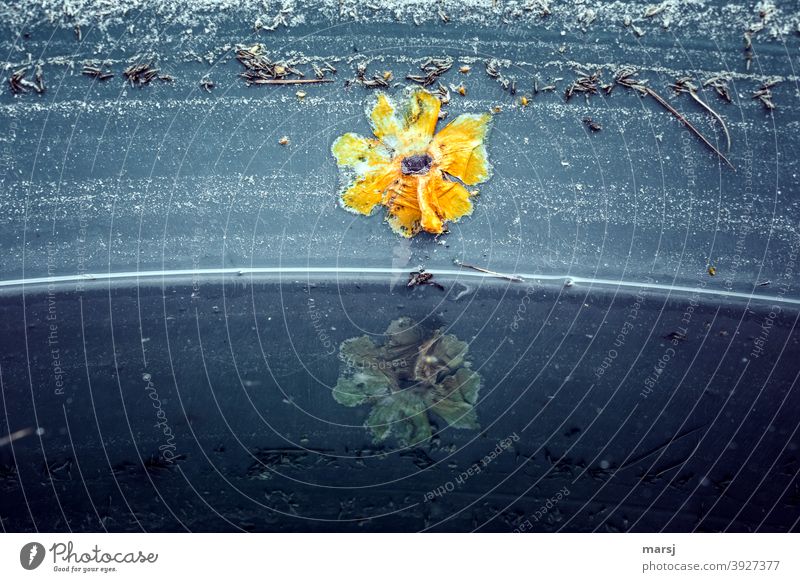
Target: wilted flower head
420, 178
412, 374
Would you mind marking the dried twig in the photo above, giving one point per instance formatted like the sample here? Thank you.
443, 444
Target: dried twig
625, 77
289, 81
691, 127
515, 278
685, 85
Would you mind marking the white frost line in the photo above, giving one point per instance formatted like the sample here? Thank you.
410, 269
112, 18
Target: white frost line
604, 283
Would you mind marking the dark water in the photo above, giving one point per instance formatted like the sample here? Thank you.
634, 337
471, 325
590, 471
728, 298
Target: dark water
207, 406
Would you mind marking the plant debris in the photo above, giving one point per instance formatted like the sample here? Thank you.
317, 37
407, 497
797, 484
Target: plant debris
19, 84
625, 77
140, 74
540, 6
514, 278
654, 9
207, 84
586, 18
765, 11
764, 93
592, 124
493, 70
421, 277
720, 84
685, 85
261, 70
320, 70
444, 96
377, 80
98, 72
156, 464
585, 83
551, 86
433, 69
278, 20
414, 372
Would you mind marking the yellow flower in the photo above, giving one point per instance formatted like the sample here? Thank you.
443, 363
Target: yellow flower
417, 176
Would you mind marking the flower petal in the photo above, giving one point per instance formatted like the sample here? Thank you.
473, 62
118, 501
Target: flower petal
427, 198
368, 190
459, 149
419, 121
412, 130
424, 203
385, 124
451, 199
401, 200
359, 153
442, 200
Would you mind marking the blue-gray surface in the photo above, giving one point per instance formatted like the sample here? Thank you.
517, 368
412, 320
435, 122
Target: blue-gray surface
657, 409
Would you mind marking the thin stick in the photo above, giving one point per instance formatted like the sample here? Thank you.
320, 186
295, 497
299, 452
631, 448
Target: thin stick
288, 81
514, 278
686, 122
714, 113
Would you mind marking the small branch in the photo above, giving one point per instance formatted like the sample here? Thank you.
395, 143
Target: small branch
715, 114
625, 77
514, 278
685, 85
686, 122
288, 81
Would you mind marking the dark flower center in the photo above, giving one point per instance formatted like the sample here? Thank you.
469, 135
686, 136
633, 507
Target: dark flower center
416, 164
